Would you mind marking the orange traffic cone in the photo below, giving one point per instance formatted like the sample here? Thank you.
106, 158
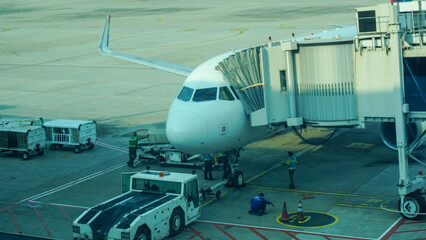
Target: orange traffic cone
284, 216
300, 211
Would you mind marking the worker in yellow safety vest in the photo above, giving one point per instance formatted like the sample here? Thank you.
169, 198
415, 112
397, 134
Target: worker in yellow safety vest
133, 146
291, 165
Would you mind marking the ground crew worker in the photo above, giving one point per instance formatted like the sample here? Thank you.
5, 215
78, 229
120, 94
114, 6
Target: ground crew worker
224, 157
208, 166
291, 165
258, 204
133, 146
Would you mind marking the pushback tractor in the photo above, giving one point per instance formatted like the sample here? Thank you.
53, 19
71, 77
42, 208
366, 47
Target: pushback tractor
154, 205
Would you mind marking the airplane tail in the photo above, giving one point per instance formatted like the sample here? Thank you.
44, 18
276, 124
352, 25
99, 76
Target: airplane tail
104, 41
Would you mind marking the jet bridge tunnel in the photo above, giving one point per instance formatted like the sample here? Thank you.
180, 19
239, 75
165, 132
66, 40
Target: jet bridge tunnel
372, 72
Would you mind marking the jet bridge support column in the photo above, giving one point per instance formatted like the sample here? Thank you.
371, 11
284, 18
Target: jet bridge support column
288, 47
400, 116
411, 202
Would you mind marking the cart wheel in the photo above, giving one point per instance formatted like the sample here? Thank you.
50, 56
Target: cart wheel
41, 152
218, 193
53, 147
25, 156
91, 146
77, 149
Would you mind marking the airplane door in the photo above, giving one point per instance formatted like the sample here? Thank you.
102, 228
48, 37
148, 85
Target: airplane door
125, 181
191, 193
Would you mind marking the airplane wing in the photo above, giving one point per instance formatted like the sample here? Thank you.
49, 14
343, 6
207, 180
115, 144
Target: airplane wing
166, 66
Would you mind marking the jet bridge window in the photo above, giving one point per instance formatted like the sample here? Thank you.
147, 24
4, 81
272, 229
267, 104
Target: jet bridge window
225, 94
205, 94
283, 80
185, 94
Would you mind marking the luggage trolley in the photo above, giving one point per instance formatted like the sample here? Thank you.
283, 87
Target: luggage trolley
24, 139
77, 133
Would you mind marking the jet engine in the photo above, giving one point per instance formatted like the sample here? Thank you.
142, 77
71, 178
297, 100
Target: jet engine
388, 133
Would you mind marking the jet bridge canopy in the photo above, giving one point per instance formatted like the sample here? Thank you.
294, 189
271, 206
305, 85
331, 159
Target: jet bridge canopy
242, 71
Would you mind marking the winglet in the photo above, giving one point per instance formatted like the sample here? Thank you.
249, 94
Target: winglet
104, 42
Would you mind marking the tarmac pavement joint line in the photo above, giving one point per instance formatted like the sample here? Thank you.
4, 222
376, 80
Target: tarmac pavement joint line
261, 174
314, 192
299, 153
360, 206
72, 183
283, 230
94, 99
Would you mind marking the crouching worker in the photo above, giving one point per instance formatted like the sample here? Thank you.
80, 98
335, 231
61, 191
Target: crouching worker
258, 204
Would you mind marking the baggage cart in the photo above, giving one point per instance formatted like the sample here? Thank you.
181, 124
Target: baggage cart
21, 121
27, 140
74, 133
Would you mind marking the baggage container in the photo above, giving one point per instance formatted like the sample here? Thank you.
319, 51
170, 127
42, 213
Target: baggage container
21, 121
27, 140
75, 133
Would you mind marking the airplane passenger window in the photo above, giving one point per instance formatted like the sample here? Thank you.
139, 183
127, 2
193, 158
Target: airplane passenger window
235, 93
204, 94
225, 94
185, 94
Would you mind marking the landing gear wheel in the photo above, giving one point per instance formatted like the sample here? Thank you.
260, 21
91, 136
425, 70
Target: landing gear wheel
53, 147
413, 205
238, 179
25, 156
41, 152
91, 146
77, 149
176, 222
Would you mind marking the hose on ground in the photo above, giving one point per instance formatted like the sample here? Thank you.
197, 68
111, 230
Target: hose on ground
324, 140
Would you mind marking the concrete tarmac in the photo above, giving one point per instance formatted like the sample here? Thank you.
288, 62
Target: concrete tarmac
50, 68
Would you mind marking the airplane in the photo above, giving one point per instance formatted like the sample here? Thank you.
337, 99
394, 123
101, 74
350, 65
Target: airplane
208, 115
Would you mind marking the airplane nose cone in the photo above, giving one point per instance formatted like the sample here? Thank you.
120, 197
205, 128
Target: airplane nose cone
186, 131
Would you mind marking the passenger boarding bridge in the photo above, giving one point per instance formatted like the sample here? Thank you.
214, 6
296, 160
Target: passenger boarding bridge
372, 72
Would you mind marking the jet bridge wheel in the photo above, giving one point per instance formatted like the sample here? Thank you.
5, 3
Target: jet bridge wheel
413, 204
176, 222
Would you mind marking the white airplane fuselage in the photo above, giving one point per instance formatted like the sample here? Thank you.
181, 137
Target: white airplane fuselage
210, 126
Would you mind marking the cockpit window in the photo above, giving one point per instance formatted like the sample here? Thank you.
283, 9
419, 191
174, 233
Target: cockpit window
235, 92
185, 94
204, 94
225, 94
